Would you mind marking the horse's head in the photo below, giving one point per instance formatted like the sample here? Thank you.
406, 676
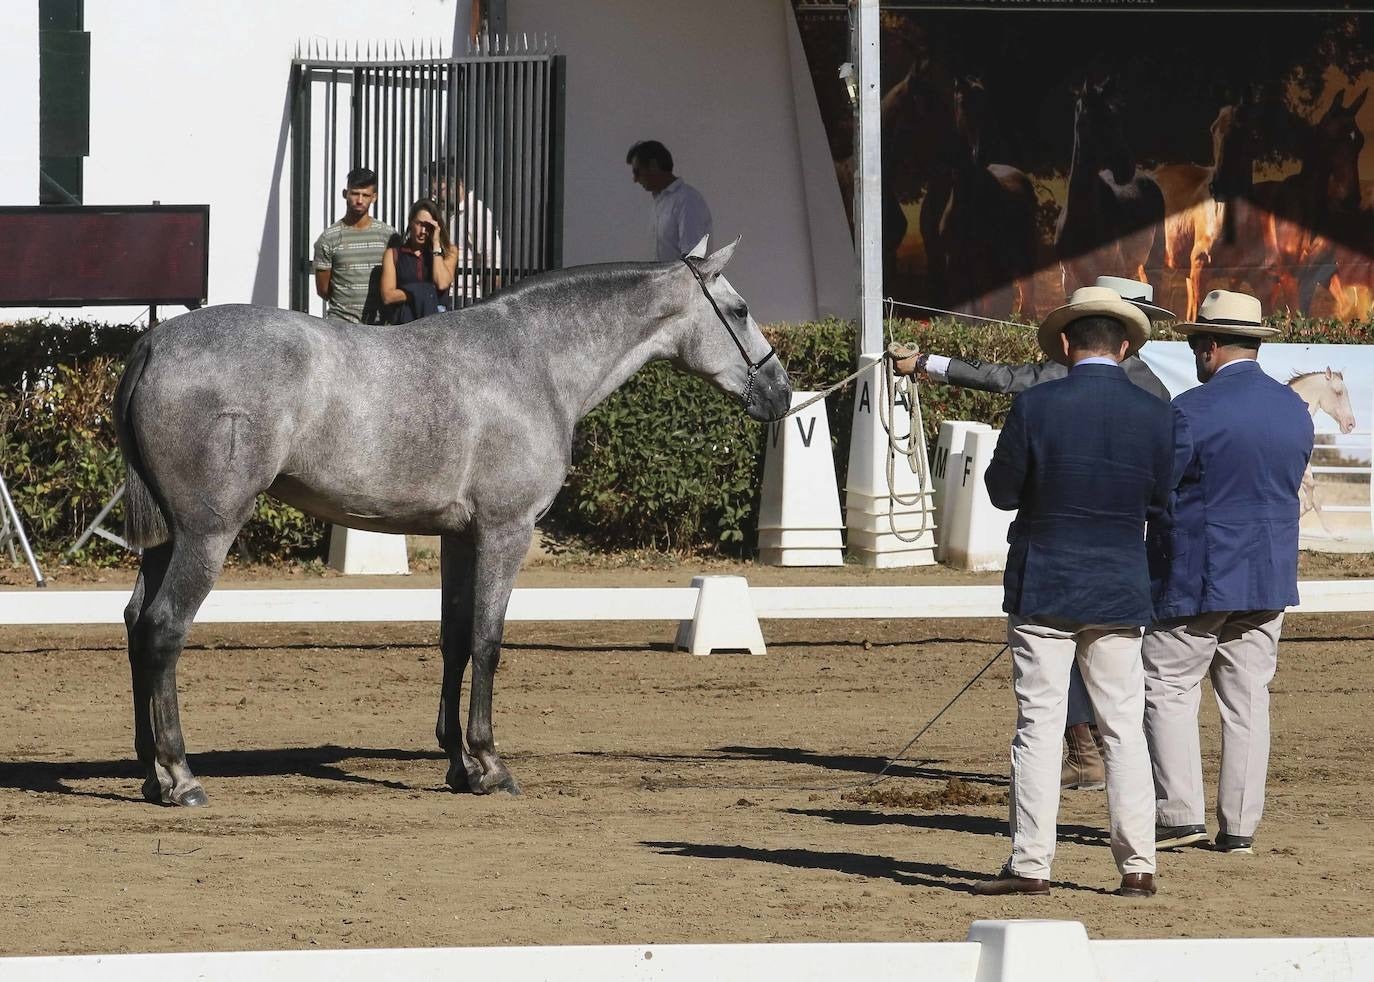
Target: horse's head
723, 343
1234, 145
970, 107
1335, 401
1334, 146
1098, 130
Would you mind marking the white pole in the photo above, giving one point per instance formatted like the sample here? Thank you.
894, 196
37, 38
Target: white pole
868, 214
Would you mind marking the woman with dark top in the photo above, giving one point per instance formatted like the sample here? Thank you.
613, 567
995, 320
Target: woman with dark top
418, 273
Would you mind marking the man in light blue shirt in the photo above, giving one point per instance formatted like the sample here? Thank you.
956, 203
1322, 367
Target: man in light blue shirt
680, 218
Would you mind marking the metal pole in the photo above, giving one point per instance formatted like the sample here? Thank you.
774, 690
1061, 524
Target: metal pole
868, 214
18, 531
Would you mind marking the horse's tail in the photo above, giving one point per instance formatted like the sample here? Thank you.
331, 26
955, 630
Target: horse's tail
145, 522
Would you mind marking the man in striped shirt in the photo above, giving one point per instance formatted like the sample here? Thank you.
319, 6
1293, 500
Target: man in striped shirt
348, 254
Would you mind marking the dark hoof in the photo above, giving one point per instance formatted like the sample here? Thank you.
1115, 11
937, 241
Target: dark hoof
152, 792
464, 775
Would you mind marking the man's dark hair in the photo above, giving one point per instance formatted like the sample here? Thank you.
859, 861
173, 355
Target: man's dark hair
1096, 334
651, 151
361, 177
1227, 340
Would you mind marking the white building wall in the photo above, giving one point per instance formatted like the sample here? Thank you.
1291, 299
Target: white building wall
189, 106
714, 81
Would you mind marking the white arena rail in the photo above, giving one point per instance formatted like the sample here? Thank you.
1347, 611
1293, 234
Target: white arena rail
997, 951
226, 606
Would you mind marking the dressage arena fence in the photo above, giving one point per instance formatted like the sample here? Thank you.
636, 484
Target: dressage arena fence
995, 951
228, 606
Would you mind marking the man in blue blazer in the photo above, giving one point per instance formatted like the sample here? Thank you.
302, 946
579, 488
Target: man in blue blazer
1085, 460
1224, 567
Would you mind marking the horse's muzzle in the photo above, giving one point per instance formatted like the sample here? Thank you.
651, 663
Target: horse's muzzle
772, 395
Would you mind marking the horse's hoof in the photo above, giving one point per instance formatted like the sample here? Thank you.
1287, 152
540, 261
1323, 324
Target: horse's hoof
154, 793
191, 795
500, 781
461, 777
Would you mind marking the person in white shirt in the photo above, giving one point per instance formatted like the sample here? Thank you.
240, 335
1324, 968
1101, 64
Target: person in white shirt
472, 228
680, 217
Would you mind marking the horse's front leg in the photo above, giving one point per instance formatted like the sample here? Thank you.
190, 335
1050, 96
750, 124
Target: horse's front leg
457, 558
499, 554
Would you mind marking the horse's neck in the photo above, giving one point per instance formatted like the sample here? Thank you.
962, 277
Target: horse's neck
1083, 171
603, 347
1310, 388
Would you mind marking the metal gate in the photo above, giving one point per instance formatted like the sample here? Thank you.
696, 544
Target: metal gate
482, 135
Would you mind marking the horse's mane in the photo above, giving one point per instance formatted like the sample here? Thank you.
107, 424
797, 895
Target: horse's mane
1299, 376
596, 279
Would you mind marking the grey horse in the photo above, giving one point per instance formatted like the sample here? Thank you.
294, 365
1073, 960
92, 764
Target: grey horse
459, 425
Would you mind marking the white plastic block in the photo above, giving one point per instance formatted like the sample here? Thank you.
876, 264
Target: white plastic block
357, 552
1033, 951
867, 490
724, 619
974, 536
799, 509
949, 442
883, 539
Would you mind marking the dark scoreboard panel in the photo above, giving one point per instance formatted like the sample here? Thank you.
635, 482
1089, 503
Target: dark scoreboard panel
79, 255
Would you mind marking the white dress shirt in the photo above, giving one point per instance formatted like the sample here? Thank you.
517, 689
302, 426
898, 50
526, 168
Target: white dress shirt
680, 219
479, 245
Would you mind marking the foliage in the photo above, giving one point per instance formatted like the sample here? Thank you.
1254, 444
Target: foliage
667, 462
58, 451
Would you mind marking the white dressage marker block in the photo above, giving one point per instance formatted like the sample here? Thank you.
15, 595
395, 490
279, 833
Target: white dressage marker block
976, 532
950, 442
868, 496
799, 511
724, 618
354, 551
1033, 951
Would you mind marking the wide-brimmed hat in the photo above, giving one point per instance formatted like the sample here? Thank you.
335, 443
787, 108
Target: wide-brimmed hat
1138, 293
1093, 301
1224, 312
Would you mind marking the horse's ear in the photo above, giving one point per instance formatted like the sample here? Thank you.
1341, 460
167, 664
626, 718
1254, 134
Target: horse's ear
1354, 106
699, 250
714, 264
1328, 373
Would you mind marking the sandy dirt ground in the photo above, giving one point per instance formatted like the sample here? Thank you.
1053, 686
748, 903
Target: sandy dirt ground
666, 798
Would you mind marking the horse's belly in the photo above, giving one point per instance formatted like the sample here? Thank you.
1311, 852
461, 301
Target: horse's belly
373, 509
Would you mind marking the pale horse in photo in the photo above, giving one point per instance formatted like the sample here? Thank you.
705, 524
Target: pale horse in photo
1324, 391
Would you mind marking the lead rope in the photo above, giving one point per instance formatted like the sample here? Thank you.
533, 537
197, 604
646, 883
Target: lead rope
912, 446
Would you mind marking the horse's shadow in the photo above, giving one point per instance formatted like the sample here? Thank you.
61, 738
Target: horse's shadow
320, 763
904, 872
859, 764
1084, 835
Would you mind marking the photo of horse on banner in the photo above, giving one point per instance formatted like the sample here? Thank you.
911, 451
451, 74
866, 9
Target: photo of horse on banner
1019, 160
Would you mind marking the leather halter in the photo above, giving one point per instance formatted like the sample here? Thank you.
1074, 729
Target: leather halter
754, 366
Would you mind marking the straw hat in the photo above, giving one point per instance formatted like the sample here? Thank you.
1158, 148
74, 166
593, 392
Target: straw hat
1224, 312
1138, 293
1093, 301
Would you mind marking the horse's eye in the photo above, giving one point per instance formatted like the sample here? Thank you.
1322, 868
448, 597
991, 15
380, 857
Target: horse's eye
742, 312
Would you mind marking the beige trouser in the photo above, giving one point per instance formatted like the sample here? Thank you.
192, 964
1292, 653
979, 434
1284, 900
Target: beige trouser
1043, 654
1240, 650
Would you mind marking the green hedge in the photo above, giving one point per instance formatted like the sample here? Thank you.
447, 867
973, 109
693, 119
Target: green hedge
667, 462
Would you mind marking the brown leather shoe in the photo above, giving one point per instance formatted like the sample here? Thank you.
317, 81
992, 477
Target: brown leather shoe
1007, 882
1137, 885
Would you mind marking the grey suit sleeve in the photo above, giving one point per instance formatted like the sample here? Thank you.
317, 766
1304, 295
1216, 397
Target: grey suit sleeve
989, 377
1144, 377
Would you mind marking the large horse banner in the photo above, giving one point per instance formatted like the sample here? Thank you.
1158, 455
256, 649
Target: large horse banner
1028, 147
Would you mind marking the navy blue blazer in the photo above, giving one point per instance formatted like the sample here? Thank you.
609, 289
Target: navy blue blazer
1230, 542
1087, 460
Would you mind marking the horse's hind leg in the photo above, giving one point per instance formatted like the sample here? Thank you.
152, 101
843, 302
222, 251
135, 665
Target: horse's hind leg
457, 559
173, 583
499, 554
